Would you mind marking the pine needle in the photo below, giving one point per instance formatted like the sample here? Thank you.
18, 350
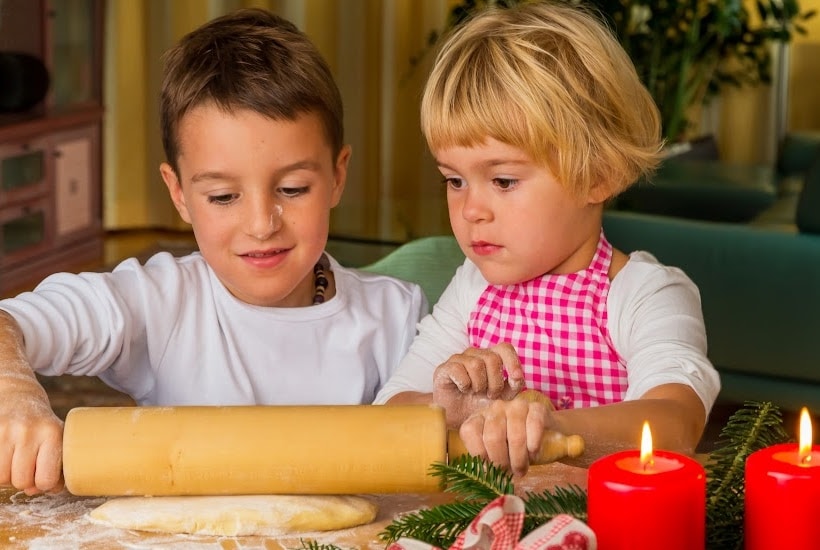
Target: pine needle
439, 526
542, 507
477, 482
749, 429
473, 478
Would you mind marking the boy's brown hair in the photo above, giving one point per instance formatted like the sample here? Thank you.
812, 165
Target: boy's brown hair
550, 79
248, 59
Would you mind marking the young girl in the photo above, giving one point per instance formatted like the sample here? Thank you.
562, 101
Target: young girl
536, 118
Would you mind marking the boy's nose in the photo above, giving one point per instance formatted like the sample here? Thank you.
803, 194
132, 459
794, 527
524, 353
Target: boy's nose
266, 221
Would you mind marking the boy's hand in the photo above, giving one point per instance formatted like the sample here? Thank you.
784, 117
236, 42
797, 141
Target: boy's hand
469, 381
31, 435
509, 433
31, 439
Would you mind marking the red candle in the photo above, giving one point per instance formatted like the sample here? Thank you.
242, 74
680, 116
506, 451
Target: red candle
783, 494
645, 500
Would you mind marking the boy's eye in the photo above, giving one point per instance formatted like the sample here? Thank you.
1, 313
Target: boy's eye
505, 183
222, 199
453, 183
293, 191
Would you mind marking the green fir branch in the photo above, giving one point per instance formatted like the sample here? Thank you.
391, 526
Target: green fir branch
439, 525
749, 429
477, 482
472, 478
542, 507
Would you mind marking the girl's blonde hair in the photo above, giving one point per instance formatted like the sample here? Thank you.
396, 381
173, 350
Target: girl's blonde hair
551, 80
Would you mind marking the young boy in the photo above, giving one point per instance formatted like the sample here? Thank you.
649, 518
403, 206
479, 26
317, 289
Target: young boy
252, 129
536, 118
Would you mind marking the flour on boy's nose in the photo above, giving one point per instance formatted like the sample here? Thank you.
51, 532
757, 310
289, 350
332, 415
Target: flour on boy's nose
274, 224
276, 216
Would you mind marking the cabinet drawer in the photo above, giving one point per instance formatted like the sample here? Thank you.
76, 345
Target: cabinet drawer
75, 175
25, 231
22, 172
74, 183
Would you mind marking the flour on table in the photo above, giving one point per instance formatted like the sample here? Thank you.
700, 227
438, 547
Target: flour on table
242, 515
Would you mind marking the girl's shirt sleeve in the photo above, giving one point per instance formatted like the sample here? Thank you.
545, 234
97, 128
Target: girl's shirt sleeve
656, 324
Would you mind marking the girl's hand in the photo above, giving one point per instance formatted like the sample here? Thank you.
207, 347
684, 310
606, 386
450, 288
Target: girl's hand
467, 382
508, 433
31, 438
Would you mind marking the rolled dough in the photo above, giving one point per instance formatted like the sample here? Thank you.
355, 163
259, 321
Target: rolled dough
263, 515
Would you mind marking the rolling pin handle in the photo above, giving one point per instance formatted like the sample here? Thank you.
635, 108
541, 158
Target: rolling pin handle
554, 446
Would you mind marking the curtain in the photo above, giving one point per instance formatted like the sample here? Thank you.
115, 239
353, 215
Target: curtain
804, 61
392, 191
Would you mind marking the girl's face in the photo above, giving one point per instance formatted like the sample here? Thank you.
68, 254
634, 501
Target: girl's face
512, 218
258, 194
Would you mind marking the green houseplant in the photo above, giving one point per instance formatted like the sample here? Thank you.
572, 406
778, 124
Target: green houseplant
684, 51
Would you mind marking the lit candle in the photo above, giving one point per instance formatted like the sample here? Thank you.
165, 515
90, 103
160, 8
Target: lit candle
647, 500
783, 494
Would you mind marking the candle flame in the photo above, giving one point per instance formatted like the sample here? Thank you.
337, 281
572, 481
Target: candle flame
804, 449
646, 446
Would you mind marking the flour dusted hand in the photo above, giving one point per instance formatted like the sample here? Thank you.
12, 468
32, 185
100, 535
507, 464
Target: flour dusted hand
31, 435
467, 382
509, 433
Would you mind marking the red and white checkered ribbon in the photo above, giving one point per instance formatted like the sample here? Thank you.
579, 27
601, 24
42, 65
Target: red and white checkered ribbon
499, 524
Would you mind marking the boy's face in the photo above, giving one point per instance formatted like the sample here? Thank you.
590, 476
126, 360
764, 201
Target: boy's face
258, 194
512, 218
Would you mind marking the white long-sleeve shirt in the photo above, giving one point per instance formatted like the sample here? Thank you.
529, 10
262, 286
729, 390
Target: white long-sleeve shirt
169, 333
654, 319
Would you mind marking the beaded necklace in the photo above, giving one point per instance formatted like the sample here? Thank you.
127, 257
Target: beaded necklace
320, 282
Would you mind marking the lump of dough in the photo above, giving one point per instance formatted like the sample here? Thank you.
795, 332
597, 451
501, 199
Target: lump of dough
263, 515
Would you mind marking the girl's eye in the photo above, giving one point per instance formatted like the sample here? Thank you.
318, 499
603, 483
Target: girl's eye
505, 183
222, 199
453, 183
293, 191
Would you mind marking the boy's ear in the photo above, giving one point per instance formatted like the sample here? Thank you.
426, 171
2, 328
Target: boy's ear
175, 190
340, 175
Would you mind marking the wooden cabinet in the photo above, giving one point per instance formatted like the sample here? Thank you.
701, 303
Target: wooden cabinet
50, 154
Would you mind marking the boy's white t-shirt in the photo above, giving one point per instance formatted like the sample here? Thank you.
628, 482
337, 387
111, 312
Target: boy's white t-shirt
169, 333
654, 318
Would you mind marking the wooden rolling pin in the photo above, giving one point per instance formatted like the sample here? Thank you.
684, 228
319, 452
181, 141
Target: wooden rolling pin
262, 450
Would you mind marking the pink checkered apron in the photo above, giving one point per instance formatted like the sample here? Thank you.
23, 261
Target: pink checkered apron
557, 324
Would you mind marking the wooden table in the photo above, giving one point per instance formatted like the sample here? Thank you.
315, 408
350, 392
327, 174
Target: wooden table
60, 521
